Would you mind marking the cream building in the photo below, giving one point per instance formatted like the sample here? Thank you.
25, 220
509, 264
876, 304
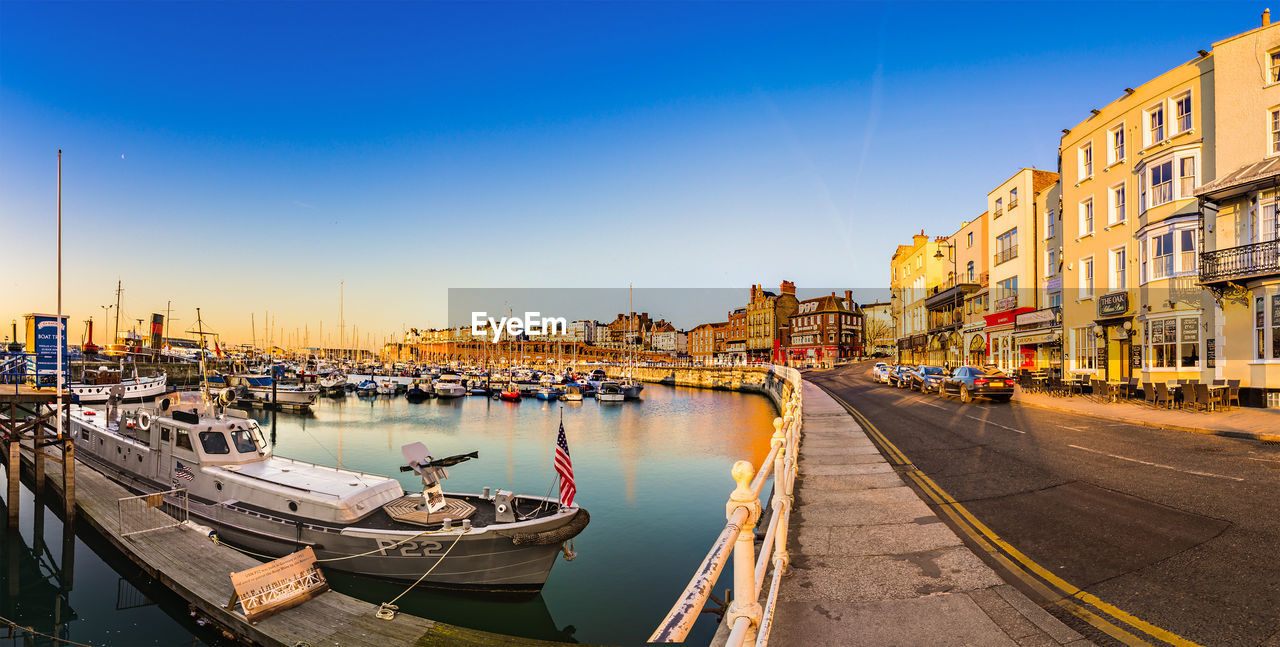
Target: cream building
914, 270
1240, 264
972, 260
1132, 303
1015, 267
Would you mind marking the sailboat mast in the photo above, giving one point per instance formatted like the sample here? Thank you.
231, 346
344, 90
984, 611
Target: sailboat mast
119, 288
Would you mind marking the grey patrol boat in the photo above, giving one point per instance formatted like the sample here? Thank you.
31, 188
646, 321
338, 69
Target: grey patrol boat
364, 524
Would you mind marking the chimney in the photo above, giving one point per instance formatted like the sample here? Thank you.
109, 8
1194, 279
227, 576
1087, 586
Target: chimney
1266, 17
787, 287
848, 297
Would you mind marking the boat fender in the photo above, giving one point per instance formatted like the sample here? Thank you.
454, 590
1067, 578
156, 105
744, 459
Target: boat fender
144, 420
203, 530
555, 536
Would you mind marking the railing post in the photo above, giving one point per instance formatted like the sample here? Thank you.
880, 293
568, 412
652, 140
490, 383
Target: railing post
781, 492
745, 596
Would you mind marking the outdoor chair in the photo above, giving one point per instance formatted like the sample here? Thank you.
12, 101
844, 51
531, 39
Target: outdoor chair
1148, 394
1233, 392
1203, 397
1163, 396
1133, 387
1188, 396
1102, 391
1219, 382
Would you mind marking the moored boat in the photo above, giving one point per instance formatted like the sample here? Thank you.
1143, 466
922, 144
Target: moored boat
97, 386
610, 391
354, 521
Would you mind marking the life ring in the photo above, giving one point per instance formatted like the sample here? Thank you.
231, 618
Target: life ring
144, 420
227, 396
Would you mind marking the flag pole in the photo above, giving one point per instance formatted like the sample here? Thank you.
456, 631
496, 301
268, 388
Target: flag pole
61, 332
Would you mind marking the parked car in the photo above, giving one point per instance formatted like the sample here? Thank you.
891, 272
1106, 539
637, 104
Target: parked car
927, 378
899, 376
969, 382
880, 373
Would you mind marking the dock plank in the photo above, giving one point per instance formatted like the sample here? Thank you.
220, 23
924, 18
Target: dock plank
198, 570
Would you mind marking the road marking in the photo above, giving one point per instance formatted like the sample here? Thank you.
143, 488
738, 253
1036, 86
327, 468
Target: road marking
980, 534
1167, 467
996, 424
1267, 460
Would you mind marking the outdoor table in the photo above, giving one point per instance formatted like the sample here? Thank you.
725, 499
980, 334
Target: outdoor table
1216, 393
1116, 386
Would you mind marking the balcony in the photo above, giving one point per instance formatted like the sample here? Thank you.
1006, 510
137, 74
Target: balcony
1005, 255
952, 297
1243, 262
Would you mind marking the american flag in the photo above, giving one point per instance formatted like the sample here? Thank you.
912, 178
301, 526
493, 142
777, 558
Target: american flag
184, 472
564, 467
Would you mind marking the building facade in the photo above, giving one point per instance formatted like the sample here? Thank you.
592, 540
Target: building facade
825, 329
766, 313
914, 270
972, 262
1013, 232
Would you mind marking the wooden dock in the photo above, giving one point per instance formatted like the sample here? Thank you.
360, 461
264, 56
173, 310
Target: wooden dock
195, 568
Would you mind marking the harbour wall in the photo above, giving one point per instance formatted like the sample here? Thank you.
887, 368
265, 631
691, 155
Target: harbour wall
774, 382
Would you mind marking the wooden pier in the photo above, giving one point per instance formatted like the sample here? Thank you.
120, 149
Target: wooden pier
192, 566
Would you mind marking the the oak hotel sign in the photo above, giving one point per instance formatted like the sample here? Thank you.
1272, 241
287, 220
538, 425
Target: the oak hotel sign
1113, 304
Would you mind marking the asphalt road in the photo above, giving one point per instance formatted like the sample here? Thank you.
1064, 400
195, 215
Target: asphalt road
1181, 530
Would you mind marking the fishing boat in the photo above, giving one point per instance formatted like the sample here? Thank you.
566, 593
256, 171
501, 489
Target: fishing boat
610, 391
96, 386
572, 393
449, 386
355, 522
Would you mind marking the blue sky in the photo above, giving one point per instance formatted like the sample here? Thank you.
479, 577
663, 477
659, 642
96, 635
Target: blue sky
246, 157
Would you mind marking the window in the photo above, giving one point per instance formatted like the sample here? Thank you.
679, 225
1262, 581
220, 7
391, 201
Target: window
1161, 255
1116, 212
1275, 66
164, 434
243, 439
1182, 109
1013, 197
214, 442
1086, 160
1007, 288
1275, 326
1007, 246
1115, 147
1142, 192
1187, 176
1259, 326
1161, 183
1084, 348
1050, 223
1187, 248
1055, 300
1117, 269
1051, 262
1155, 125
184, 440
969, 269
1086, 277
1173, 342
1275, 130
1086, 216
970, 239
999, 207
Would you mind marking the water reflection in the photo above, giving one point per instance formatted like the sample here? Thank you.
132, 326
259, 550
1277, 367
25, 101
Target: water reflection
653, 474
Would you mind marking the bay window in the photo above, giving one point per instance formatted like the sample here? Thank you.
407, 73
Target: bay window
1161, 183
1173, 342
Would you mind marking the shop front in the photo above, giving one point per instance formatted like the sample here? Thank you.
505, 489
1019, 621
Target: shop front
976, 349
1004, 353
1119, 352
1038, 335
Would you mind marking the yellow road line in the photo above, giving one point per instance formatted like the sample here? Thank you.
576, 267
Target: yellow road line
988, 540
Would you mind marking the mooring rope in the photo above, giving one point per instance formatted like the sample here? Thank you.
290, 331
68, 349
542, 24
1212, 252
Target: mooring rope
433, 567
31, 630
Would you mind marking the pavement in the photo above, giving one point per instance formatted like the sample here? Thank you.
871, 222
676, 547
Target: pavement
1158, 535
873, 565
1237, 422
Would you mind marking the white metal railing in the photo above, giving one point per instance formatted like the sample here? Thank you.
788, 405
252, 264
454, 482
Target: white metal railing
749, 621
156, 511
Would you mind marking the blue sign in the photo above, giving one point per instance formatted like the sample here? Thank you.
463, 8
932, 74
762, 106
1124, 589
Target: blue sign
43, 334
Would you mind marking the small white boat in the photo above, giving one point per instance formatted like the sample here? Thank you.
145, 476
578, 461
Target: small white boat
449, 386
610, 392
98, 384
572, 393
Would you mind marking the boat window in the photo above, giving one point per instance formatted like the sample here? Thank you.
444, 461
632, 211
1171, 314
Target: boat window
164, 434
214, 442
184, 440
243, 438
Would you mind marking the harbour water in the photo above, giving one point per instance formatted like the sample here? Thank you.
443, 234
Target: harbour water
654, 475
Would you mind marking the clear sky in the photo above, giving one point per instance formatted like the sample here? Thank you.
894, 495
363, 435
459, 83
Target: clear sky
247, 157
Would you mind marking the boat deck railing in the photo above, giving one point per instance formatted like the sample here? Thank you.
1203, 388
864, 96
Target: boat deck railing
748, 620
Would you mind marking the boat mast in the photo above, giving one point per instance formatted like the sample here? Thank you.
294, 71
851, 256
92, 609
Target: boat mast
116, 338
204, 375
61, 331
168, 310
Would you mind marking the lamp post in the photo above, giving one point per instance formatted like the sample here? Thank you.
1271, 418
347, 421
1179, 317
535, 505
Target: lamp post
955, 299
